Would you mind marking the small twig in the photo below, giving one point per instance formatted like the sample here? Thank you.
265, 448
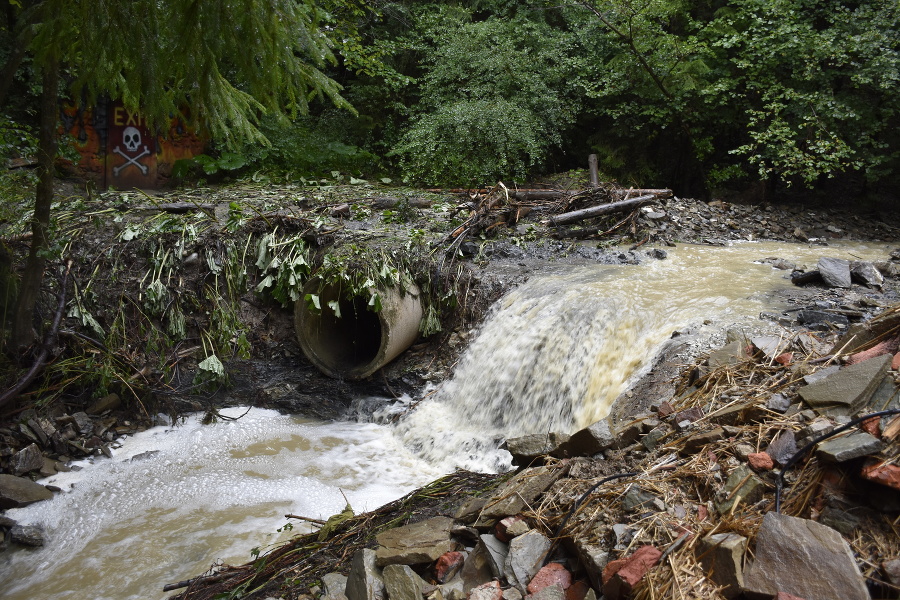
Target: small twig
310, 519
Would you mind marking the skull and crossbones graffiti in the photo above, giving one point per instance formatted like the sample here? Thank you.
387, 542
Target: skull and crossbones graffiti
131, 138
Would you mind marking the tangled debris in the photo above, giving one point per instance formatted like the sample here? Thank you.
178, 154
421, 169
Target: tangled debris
682, 502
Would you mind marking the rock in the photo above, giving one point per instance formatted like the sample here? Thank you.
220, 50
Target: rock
865, 273
527, 448
84, 424
654, 436
770, 346
27, 535
620, 576
722, 555
594, 558
524, 559
847, 391
778, 403
840, 520
729, 354
18, 491
891, 568
552, 574
517, 494
696, 442
879, 349
39, 432
335, 586
578, 590
108, 402
637, 499
761, 461
590, 440
421, 542
742, 487
835, 272
811, 318
512, 594
551, 592
743, 451
364, 582
695, 413
469, 510
783, 447
476, 569
487, 591
886, 396
48, 467
624, 534
883, 473
446, 567
848, 447
402, 583
803, 558
497, 552
510, 527
27, 459
454, 589
821, 374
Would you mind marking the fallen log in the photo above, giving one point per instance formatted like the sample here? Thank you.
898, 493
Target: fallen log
602, 209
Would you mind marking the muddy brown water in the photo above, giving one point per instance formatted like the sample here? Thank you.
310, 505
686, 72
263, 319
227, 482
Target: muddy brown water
553, 355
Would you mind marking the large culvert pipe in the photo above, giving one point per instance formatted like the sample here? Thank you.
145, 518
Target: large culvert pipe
359, 342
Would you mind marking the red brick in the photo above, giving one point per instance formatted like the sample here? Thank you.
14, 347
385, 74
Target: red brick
761, 461
785, 359
879, 349
612, 567
550, 574
895, 364
577, 591
879, 472
447, 565
622, 582
502, 526
872, 426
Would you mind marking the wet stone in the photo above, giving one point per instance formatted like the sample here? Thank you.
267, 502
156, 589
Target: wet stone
517, 493
27, 459
476, 570
848, 390
27, 535
589, 441
527, 448
848, 447
865, 273
496, 553
803, 558
402, 583
835, 272
524, 559
418, 543
364, 582
721, 555
84, 423
335, 586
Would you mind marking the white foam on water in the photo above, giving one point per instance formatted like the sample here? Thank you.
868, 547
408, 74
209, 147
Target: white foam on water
122, 528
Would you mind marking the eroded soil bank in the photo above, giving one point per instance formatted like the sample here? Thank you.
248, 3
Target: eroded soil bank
140, 241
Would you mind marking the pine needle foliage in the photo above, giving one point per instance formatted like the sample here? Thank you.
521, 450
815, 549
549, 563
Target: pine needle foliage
230, 61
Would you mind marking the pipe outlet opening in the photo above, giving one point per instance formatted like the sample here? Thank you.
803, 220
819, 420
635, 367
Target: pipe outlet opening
353, 342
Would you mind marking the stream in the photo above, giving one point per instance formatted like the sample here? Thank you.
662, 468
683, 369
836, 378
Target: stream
552, 356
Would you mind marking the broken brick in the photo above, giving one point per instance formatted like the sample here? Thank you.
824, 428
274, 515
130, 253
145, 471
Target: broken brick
447, 566
872, 426
882, 473
761, 461
550, 574
694, 413
621, 583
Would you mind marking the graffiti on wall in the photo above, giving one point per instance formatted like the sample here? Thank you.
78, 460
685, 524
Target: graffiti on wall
116, 149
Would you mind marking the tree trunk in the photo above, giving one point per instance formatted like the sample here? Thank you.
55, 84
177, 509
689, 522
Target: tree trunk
22, 326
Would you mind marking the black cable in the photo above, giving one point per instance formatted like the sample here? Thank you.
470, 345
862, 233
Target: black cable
779, 481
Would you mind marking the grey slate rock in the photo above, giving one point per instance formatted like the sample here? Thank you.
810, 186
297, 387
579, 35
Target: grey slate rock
590, 440
811, 318
743, 487
476, 569
402, 583
840, 520
835, 272
886, 396
497, 552
364, 582
778, 403
865, 273
783, 447
526, 553
335, 586
529, 447
27, 459
27, 535
847, 447
517, 493
84, 423
803, 558
18, 491
638, 499
849, 390
722, 555
418, 543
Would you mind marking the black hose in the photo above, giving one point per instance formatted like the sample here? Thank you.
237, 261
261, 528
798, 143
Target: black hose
779, 481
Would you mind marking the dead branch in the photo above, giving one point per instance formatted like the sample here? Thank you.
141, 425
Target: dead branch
602, 209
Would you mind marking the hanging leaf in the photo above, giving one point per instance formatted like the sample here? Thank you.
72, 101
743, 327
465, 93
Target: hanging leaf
336, 307
313, 302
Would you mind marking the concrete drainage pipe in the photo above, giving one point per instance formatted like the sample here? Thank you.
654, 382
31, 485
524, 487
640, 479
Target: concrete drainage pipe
359, 342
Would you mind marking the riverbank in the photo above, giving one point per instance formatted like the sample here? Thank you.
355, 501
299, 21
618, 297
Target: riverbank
139, 249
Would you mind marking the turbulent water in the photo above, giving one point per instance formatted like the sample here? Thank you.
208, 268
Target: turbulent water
552, 357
